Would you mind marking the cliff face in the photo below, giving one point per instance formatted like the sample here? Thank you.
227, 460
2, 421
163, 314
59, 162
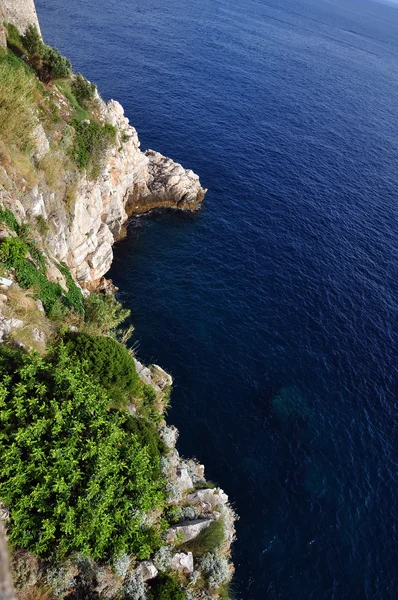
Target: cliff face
81, 233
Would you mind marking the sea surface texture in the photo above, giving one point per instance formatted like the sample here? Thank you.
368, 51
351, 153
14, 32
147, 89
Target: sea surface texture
275, 308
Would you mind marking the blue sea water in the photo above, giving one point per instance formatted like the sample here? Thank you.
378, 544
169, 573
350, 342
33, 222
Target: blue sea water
275, 308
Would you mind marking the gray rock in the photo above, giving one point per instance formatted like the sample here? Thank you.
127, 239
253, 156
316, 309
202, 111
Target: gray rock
183, 480
41, 142
208, 498
148, 570
188, 530
182, 562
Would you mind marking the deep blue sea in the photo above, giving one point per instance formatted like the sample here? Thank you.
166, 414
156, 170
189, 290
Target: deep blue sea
275, 308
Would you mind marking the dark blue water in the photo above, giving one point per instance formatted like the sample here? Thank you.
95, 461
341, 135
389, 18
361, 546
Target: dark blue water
275, 308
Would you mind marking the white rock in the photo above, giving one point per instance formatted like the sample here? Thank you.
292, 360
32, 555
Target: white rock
182, 562
188, 530
148, 570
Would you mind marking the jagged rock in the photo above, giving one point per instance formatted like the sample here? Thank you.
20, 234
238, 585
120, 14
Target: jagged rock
148, 570
7, 325
38, 336
182, 562
208, 498
169, 185
42, 145
154, 376
169, 434
188, 530
183, 480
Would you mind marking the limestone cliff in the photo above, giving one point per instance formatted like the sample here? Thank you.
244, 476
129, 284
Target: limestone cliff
131, 181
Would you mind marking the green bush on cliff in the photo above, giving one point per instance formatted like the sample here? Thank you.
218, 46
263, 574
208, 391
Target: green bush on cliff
166, 588
90, 144
32, 41
108, 361
31, 273
83, 89
103, 314
73, 475
208, 540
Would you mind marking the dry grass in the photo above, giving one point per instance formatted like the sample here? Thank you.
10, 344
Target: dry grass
35, 592
53, 169
22, 305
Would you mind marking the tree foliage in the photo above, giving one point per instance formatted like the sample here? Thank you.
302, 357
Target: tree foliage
83, 89
108, 361
103, 314
72, 474
166, 588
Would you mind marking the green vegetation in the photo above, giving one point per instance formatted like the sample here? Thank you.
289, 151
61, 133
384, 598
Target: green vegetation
74, 475
208, 540
83, 89
17, 104
30, 273
166, 588
90, 144
103, 314
8, 218
31, 40
108, 362
80, 113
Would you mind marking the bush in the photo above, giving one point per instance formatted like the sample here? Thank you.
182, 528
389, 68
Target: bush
108, 362
33, 275
103, 314
208, 540
148, 436
83, 90
32, 40
12, 250
73, 477
55, 65
216, 569
7, 217
166, 588
90, 145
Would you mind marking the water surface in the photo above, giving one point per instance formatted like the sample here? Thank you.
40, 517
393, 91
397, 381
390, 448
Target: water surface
275, 308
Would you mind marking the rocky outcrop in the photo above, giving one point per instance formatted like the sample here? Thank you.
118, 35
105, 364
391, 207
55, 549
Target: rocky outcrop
188, 530
82, 230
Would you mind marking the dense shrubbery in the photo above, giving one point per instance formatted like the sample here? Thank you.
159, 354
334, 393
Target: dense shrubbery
103, 314
32, 275
166, 588
73, 475
83, 90
32, 41
90, 144
109, 362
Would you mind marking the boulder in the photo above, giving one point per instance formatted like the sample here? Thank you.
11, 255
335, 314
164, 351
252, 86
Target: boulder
188, 530
147, 570
208, 498
182, 562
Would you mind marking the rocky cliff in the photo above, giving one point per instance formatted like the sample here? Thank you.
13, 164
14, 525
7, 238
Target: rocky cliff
130, 182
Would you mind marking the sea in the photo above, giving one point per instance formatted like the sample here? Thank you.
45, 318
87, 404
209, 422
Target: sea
275, 308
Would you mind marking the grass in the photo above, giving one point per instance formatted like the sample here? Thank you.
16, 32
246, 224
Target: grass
17, 103
208, 540
64, 86
53, 168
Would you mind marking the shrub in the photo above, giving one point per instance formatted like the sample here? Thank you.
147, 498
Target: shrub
14, 39
73, 477
166, 588
83, 90
134, 589
208, 540
32, 40
216, 569
55, 65
103, 314
147, 435
90, 145
108, 362
7, 217
12, 250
